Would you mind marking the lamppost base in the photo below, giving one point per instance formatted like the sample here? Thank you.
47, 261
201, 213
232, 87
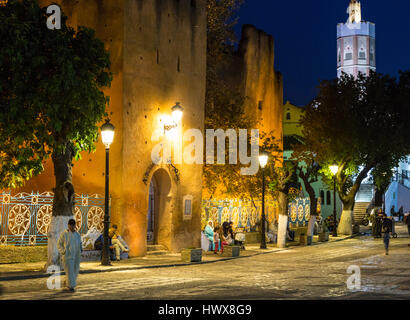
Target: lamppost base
104, 263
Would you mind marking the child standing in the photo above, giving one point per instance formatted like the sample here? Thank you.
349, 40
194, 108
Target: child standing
216, 239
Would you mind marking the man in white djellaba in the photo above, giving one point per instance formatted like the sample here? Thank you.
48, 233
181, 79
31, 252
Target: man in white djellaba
70, 248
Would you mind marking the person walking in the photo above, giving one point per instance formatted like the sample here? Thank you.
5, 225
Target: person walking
387, 229
70, 248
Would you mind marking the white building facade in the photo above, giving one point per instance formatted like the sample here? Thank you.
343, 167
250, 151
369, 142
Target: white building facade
356, 43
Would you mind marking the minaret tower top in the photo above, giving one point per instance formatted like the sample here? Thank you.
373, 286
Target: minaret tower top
356, 43
355, 12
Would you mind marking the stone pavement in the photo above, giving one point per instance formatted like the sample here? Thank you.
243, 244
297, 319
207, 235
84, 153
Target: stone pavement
32, 270
297, 273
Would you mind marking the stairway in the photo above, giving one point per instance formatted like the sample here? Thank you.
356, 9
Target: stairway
365, 193
156, 249
359, 211
363, 200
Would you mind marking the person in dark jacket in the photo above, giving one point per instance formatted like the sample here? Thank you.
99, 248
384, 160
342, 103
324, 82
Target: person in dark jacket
99, 244
407, 221
401, 213
387, 229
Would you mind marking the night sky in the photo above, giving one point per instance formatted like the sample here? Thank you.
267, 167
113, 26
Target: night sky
305, 38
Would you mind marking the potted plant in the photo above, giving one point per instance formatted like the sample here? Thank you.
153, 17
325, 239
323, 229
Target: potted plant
191, 254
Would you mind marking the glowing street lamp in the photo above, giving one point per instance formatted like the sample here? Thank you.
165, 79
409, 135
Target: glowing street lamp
177, 112
263, 160
171, 124
107, 134
334, 169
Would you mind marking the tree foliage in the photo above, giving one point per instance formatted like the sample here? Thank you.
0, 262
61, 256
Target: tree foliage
224, 104
359, 124
50, 90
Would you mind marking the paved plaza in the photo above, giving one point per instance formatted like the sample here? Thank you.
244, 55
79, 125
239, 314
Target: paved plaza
300, 272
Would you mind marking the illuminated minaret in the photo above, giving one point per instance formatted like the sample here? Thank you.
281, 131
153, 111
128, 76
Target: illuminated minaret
356, 43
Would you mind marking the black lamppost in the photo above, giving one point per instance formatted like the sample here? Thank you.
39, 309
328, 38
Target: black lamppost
334, 169
107, 134
263, 160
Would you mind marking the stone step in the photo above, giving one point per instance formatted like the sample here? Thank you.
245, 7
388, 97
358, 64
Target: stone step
359, 211
157, 252
156, 247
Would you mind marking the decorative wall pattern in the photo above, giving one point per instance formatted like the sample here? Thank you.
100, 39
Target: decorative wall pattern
244, 214
25, 218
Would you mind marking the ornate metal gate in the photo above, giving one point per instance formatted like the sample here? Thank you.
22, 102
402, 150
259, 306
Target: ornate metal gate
25, 218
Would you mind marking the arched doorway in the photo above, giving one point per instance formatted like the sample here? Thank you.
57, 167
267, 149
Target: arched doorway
158, 215
151, 213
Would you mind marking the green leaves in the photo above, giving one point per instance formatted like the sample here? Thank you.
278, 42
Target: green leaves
51, 90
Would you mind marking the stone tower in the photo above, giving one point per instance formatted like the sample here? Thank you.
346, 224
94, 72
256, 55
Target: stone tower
356, 43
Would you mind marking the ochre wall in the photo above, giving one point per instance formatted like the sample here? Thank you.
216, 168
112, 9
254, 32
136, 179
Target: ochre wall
260, 80
164, 63
158, 54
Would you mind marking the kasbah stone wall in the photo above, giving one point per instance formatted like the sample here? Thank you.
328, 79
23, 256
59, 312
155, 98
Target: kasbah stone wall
158, 55
262, 86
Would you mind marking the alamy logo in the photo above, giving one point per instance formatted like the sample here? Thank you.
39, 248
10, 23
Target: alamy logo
354, 281
193, 153
54, 281
54, 21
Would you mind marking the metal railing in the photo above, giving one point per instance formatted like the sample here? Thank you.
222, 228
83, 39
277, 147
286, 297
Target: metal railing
25, 218
247, 214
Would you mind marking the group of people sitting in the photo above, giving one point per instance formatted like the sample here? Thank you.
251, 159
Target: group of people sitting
399, 214
219, 237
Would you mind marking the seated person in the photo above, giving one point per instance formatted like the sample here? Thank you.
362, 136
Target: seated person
228, 232
290, 234
240, 237
273, 233
209, 233
116, 244
99, 244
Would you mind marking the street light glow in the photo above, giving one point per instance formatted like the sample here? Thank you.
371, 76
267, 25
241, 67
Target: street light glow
177, 112
263, 159
334, 169
107, 133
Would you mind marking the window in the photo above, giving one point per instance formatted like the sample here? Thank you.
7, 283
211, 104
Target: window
260, 105
328, 201
288, 116
322, 197
348, 56
362, 55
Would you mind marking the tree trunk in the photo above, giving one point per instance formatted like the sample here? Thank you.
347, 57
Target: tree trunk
63, 203
313, 202
378, 198
346, 219
283, 220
